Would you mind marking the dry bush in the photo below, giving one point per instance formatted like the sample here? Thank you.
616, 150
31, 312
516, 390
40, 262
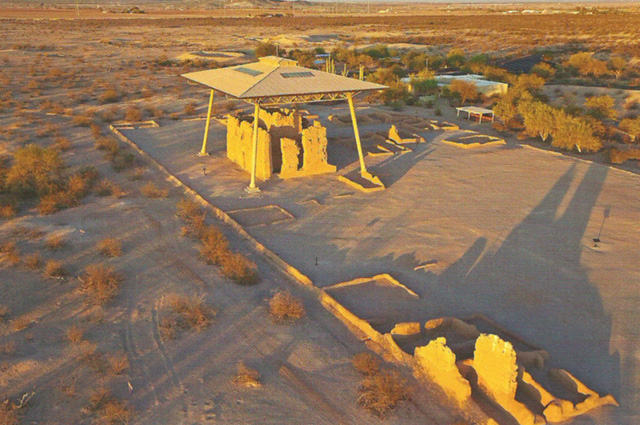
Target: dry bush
106, 187
187, 209
239, 268
381, 392
110, 247
122, 160
192, 312
10, 253
62, 144
190, 108
82, 120
75, 334
618, 156
109, 409
150, 190
55, 242
109, 96
100, 282
93, 358
118, 364
133, 114
33, 261
136, 174
107, 144
245, 376
283, 307
366, 363
54, 268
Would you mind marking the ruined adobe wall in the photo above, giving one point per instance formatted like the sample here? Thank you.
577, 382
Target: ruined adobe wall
240, 146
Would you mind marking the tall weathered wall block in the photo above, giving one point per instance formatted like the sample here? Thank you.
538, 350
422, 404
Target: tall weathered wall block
314, 144
437, 363
240, 147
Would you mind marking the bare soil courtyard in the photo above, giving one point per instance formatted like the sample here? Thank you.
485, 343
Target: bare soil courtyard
509, 229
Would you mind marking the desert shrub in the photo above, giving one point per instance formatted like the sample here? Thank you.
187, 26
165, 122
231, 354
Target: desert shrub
8, 211
188, 209
55, 202
36, 171
54, 268
366, 363
265, 49
133, 114
10, 253
118, 364
284, 307
150, 190
62, 144
101, 283
122, 161
192, 312
82, 120
109, 96
109, 409
190, 108
21, 323
618, 156
33, 261
245, 376
110, 247
55, 242
74, 334
586, 64
575, 132
107, 144
539, 118
136, 174
239, 268
381, 392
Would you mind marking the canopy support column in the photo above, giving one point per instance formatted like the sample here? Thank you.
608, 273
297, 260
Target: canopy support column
252, 186
203, 151
363, 169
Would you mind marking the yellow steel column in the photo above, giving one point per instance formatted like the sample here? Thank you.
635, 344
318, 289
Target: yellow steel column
252, 186
363, 169
203, 151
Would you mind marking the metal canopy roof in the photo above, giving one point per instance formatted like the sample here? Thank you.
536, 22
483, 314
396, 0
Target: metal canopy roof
274, 80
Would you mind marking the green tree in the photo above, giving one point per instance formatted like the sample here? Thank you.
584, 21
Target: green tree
539, 118
544, 70
618, 65
465, 89
601, 107
575, 132
266, 49
36, 171
631, 126
455, 58
586, 64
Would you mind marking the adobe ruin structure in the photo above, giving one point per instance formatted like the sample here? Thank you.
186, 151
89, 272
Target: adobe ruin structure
289, 144
280, 140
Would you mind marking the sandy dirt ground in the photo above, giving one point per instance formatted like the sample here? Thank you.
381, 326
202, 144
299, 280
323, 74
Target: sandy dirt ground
511, 229
305, 367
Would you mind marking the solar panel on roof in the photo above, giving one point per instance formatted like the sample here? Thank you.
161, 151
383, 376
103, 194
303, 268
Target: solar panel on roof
297, 74
252, 72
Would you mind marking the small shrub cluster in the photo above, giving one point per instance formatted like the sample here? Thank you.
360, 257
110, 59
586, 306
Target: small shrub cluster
366, 363
54, 269
285, 307
185, 313
618, 156
214, 248
9, 253
382, 391
109, 409
100, 283
119, 158
108, 188
55, 242
150, 190
110, 247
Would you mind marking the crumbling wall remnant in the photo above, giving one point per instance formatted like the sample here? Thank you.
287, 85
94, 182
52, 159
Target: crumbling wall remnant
314, 144
437, 363
240, 147
495, 363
